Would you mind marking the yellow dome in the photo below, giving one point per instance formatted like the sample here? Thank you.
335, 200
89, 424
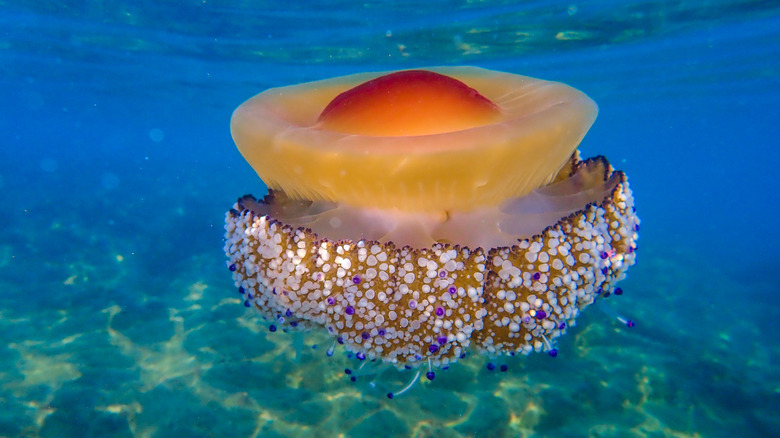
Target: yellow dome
492, 151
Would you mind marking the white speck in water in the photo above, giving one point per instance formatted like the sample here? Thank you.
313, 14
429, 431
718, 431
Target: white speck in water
156, 135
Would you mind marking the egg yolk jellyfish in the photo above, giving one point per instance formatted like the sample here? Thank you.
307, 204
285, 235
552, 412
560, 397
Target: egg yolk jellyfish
422, 214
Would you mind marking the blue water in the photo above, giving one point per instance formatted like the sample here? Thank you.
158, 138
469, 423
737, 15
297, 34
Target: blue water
118, 317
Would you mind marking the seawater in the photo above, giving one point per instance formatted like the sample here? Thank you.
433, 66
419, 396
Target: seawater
117, 313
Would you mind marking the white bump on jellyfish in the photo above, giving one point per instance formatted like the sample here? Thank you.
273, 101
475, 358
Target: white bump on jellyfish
515, 219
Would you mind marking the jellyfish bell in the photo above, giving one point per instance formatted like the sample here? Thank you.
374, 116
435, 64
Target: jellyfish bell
472, 163
421, 214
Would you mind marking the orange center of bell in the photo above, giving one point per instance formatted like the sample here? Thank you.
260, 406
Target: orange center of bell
411, 102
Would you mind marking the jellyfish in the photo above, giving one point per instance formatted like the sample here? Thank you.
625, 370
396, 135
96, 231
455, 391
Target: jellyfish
420, 215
